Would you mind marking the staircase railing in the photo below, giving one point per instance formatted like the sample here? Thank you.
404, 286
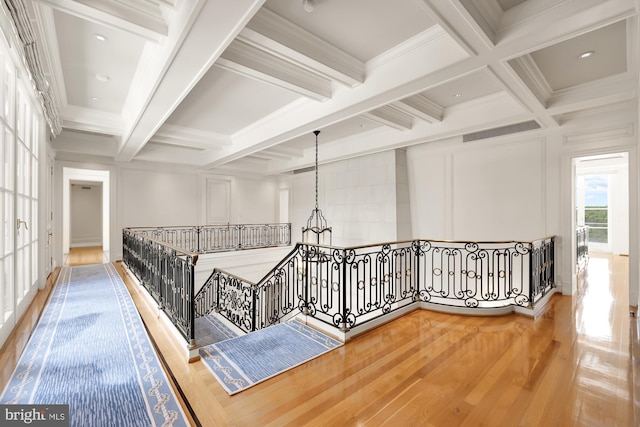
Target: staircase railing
347, 287
163, 260
252, 306
203, 239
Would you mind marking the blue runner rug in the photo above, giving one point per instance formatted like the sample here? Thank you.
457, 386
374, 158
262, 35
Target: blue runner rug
241, 362
90, 350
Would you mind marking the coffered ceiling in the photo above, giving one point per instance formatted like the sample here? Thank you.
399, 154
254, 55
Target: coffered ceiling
240, 85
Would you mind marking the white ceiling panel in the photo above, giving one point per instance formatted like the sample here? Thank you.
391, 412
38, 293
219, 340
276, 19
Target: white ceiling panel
362, 28
562, 68
225, 102
464, 89
93, 68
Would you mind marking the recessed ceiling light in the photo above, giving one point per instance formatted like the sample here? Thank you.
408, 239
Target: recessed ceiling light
586, 54
308, 5
456, 95
102, 77
94, 98
100, 37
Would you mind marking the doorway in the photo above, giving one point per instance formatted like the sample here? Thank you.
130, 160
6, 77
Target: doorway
601, 203
72, 181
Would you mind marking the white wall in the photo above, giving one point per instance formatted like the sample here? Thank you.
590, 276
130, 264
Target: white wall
150, 198
254, 201
86, 215
516, 187
358, 197
478, 191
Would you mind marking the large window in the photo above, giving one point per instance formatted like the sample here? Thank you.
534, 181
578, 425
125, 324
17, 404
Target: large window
596, 207
20, 135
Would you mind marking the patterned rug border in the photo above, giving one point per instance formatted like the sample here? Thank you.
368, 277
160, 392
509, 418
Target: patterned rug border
162, 406
233, 377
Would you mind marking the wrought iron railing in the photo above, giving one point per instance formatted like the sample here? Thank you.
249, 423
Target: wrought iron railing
252, 306
167, 273
582, 246
347, 287
203, 239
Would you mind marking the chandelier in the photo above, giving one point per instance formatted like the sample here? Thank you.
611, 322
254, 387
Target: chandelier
316, 230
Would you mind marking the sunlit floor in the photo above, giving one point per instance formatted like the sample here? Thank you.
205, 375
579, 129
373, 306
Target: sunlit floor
602, 326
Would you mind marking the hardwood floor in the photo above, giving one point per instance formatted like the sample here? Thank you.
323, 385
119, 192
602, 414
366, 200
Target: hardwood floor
571, 366
85, 256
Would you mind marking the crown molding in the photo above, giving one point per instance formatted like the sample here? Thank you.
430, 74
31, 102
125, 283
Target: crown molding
608, 90
529, 72
390, 116
604, 135
490, 11
409, 46
49, 50
421, 107
90, 120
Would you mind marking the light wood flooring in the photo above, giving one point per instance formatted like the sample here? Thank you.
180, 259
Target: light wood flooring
85, 256
572, 366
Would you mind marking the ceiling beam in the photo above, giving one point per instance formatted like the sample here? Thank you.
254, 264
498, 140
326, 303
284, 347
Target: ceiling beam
202, 33
272, 33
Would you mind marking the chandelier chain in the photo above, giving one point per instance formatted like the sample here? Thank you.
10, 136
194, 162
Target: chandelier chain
316, 133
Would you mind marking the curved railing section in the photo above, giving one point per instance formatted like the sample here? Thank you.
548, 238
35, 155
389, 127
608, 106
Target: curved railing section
204, 239
347, 287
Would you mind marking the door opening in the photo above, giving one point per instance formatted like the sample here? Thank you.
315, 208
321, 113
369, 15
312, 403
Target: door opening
71, 178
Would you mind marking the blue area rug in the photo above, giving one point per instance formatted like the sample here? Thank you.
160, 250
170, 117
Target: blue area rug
210, 330
90, 350
247, 360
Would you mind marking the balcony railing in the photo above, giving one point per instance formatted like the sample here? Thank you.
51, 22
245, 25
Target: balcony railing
348, 287
204, 239
167, 273
342, 287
